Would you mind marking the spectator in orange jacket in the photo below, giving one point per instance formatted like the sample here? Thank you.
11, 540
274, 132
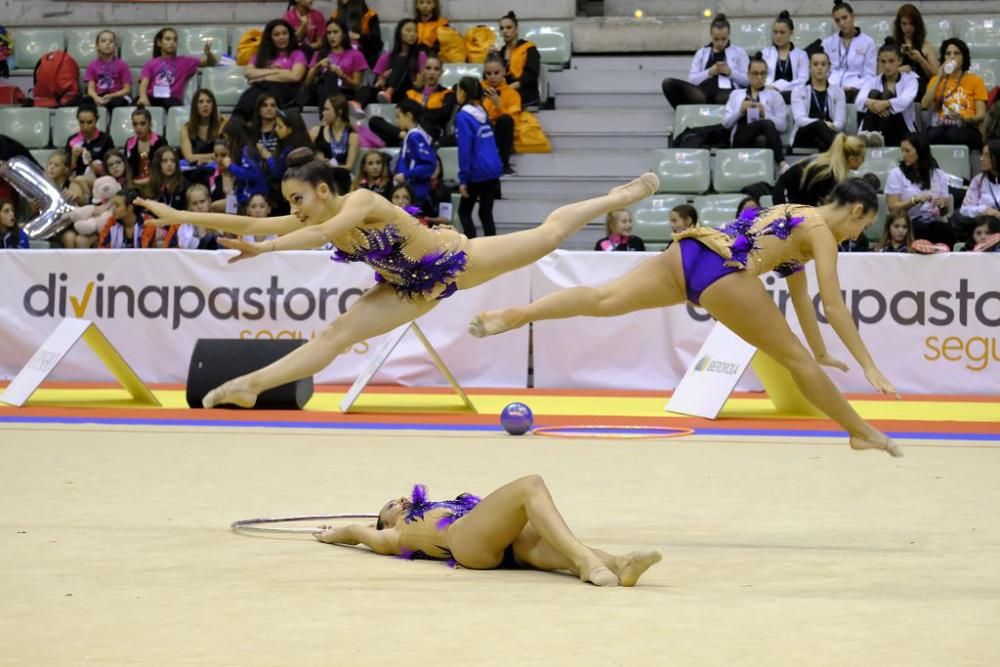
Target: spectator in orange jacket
503, 105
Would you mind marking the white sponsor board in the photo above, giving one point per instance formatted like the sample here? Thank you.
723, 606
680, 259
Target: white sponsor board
154, 305
932, 324
705, 387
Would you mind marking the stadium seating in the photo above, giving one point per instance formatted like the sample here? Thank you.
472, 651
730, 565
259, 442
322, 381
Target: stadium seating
552, 39
137, 44
982, 34
715, 210
988, 69
449, 163
172, 126
28, 126
751, 35
809, 29
651, 218
191, 41
452, 73
735, 168
874, 230
64, 124
880, 161
386, 111
31, 45
228, 83
939, 28
696, 115
953, 160
41, 155
682, 169
876, 27
82, 45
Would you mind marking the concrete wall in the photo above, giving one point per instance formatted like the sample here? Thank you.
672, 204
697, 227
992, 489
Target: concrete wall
51, 13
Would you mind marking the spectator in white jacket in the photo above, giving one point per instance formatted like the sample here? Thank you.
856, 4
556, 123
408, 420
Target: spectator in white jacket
983, 196
757, 112
819, 108
716, 70
887, 100
852, 53
918, 189
787, 66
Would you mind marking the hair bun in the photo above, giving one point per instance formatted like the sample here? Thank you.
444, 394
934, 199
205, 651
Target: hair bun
300, 156
720, 17
784, 14
511, 15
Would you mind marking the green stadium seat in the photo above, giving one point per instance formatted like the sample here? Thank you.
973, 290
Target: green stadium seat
851, 122
25, 125
876, 27
31, 45
553, 40
449, 163
750, 35
236, 31
41, 155
172, 126
121, 123
386, 111
809, 29
982, 34
735, 168
191, 41
953, 160
651, 218
137, 44
81, 43
682, 169
878, 165
453, 72
874, 230
228, 83
988, 70
715, 210
767, 201
388, 30
64, 124
697, 115
939, 28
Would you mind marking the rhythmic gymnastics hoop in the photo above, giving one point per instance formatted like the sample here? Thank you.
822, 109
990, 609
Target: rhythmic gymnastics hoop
591, 431
260, 525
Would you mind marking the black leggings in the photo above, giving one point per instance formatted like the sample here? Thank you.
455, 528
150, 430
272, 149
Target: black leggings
284, 93
746, 137
815, 135
892, 127
385, 130
957, 135
503, 131
486, 192
678, 92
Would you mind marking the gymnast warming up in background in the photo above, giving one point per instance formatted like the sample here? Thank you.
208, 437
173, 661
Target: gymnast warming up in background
516, 526
718, 269
416, 267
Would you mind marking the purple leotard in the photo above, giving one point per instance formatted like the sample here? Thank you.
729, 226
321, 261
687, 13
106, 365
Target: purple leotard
704, 265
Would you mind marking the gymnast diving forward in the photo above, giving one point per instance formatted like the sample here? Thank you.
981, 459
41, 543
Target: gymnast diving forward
416, 267
718, 269
516, 526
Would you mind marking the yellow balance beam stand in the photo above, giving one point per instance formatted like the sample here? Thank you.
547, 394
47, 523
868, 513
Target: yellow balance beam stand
779, 385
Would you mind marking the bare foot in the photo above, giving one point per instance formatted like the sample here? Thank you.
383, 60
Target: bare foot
636, 190
886, 444
634, 564
599, 576
229, 394
493, 322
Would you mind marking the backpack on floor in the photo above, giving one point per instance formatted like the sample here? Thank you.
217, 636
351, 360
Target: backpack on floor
57, 80
248, 46
11, 96
478, 42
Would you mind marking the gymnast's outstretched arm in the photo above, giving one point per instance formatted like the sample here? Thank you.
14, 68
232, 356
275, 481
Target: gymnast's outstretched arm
223, 222
385, 542
357, 207
798, 287
824, 251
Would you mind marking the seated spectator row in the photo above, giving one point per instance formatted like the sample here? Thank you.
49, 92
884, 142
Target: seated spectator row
553, 40
981, 33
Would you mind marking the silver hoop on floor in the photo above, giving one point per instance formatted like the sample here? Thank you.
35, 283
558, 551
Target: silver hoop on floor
265, 524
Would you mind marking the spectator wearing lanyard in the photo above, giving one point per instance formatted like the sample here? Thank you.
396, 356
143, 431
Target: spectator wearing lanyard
278, 69
364, 27
757, 112
958, 98
819, 109
162, 80
334, 137
139, 148
265, 122
88, 147
108, 78
918, 189
337, 68
521, 60
983, 196
787, 67
307, 24
919, 55
437, 101
887, 101
852, 53
716, 70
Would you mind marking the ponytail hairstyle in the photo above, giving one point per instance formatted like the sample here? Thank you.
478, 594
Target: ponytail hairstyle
719, 22
786, 18
158, 40
855, 191
473, 89
833, 163
304, 166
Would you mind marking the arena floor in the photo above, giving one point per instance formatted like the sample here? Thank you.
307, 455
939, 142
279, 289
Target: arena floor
781, 545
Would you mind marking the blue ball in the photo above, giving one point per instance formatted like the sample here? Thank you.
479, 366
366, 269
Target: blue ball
516, 418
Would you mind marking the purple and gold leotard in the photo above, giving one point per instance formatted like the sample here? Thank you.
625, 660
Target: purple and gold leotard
709, 254
425, 523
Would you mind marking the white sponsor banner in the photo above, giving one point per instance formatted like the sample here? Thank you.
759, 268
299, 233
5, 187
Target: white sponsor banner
932, 324
154, 304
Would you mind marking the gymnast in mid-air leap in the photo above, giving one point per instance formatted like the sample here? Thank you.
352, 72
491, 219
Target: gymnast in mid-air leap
719, 268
